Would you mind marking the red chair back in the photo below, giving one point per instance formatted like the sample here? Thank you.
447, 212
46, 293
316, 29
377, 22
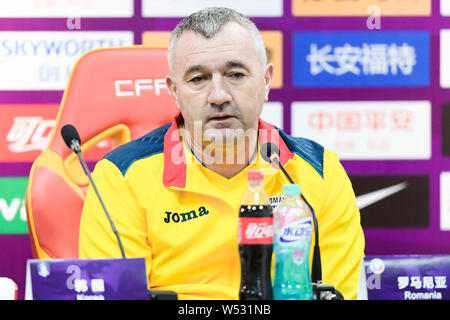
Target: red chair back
114, 95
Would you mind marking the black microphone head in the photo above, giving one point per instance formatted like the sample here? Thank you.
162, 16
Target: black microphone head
267, 149
69, 133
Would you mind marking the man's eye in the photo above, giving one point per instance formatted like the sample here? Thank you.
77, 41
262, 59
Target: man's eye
236, 75
197, 79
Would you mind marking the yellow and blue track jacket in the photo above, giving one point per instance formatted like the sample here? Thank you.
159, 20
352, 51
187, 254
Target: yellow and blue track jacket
183, 217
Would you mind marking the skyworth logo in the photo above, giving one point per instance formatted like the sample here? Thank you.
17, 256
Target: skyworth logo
361, 59
43, 60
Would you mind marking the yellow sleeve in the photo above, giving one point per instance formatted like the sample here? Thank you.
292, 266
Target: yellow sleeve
340, 235
97, 240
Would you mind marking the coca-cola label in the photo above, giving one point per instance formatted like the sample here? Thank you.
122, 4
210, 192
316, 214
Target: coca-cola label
255, 230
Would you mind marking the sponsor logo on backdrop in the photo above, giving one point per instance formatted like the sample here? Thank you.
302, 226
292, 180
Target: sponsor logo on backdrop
181, 8
445, 7
359, 7
367, 199
29, 134
366, 130
35, 60
361, 59
66, 8
273, 40
392, 201
13, 218
25, 131
272, 112
445, 200
445, 58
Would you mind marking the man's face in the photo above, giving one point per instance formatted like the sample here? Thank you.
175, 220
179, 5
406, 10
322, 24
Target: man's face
219, 83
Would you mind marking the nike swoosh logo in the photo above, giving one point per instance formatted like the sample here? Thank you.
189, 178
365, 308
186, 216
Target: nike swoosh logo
370, 198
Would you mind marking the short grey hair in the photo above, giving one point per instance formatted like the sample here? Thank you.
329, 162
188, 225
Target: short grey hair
208, 22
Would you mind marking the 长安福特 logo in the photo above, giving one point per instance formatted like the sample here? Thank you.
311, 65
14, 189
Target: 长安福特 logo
361, 59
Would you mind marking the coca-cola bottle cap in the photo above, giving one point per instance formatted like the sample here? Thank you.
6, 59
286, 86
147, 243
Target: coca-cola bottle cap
255, 175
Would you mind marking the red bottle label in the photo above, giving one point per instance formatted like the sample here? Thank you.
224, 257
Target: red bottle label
255, 230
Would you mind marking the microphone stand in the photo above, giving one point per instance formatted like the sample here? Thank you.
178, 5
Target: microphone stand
72, 140
75, 146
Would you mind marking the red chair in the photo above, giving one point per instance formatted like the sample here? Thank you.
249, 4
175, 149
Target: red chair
114, 94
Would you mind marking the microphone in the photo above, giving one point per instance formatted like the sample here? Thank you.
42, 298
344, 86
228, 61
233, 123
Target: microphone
71, 137
73, 141
271, 153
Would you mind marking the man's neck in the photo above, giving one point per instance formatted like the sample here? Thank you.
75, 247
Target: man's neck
226, 160
229, 170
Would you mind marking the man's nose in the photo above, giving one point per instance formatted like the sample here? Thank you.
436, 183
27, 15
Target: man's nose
218, 93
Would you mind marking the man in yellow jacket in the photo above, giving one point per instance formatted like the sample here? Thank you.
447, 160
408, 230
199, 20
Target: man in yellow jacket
174, 194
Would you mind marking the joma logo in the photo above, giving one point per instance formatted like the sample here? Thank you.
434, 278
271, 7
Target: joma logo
186, 216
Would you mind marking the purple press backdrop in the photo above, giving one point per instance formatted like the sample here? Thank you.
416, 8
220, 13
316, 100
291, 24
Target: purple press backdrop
428, 239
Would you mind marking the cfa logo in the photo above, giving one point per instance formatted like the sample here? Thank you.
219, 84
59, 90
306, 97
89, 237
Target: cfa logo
29, 133
127, 88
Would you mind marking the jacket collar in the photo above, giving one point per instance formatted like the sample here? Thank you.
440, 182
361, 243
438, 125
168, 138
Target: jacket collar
175, 160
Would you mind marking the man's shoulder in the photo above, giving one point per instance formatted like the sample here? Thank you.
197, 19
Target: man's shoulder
309, 150
146, 146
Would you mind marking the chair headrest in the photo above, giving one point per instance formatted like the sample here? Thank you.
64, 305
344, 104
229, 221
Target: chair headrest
111, 86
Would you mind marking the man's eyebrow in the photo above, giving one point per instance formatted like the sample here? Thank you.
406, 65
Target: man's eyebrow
236, 64
228, 65
193, 69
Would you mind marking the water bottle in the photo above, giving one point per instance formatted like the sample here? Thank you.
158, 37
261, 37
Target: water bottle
255, 240
292, 223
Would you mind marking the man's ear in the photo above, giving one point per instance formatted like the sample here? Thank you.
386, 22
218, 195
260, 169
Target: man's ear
268, 75
171, 86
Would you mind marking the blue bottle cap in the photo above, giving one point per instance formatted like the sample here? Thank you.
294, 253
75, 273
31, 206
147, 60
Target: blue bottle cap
291, 189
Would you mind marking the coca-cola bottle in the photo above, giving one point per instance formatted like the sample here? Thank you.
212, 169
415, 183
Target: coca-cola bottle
255, 240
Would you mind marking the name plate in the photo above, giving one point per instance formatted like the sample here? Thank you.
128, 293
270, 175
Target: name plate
86, 279
408, 277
